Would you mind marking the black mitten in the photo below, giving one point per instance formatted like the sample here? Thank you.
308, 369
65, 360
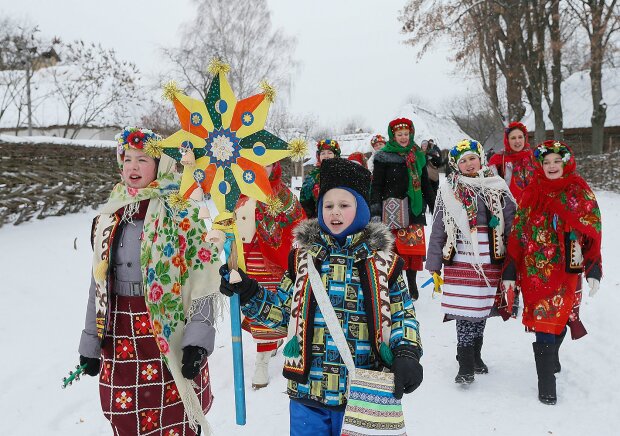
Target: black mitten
408, 372
192, 359
246, 288
92, 365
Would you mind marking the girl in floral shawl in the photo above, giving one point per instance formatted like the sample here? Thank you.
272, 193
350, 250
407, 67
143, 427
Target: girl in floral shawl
556, 236
267, 234
151, 307
473, 215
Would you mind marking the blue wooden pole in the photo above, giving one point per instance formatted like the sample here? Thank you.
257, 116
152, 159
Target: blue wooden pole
237, 345
232, 259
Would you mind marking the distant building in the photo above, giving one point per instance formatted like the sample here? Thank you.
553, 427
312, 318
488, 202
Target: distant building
577, 110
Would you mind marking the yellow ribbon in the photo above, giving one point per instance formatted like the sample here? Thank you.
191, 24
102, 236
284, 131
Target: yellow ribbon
226, 222
437, 282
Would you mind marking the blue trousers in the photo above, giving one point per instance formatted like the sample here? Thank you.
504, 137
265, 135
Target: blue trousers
314, 421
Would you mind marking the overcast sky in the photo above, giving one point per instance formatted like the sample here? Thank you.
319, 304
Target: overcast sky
353, 62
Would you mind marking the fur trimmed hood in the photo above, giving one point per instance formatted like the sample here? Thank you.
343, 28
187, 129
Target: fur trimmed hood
376, 235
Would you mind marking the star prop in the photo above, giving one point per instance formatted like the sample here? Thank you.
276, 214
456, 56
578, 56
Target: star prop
222, 142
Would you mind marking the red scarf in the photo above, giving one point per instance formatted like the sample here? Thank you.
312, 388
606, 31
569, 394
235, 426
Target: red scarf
522, 162
548, 211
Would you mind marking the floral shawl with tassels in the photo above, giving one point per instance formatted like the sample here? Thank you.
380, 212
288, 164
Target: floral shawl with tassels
179, 267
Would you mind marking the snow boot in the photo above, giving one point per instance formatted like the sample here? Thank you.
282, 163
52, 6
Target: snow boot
411, 283
261, 370
479, 366
544, 354
466, 358
558, 341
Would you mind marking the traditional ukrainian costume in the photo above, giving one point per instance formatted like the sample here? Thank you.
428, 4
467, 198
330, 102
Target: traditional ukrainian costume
153, 292
473, 215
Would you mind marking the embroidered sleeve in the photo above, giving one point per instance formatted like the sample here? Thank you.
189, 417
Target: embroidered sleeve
272, 309
405, 326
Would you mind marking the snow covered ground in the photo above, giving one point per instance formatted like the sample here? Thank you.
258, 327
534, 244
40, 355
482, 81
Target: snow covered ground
43, 286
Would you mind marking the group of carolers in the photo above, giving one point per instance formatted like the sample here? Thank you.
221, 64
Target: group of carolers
525, 223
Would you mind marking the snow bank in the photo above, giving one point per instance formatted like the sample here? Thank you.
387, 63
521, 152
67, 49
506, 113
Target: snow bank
44, 283
10, 139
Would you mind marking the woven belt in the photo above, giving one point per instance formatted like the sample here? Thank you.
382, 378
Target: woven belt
128, 289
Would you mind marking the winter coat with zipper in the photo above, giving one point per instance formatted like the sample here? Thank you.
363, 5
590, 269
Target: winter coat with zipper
352, 273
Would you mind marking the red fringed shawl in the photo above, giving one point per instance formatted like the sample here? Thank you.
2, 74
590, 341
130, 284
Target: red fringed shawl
550, 211
275, 233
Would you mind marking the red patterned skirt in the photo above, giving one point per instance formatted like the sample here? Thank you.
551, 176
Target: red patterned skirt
138, 393
265, 338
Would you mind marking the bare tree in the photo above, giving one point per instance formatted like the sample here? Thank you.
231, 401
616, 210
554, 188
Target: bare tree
601, 20
241, 34
485, 35
476, 116
160, 118
94, 85
21, 49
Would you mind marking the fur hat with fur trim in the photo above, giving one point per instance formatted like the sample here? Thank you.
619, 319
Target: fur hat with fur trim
338, 173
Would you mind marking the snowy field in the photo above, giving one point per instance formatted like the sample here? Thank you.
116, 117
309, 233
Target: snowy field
44, 285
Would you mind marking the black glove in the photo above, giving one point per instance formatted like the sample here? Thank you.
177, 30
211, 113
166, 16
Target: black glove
408, 372
192, 359
92, 365
246, 288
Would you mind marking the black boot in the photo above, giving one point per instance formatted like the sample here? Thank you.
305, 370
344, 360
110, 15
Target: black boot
465, 356
411, 283
479, 366
545, 365
558, 341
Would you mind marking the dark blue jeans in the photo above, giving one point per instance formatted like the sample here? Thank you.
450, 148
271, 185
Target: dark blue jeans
314, 421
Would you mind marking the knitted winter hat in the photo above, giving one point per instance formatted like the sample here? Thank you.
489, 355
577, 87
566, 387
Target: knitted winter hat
338, 173
327, 144
377, 138
553, 146
359, 158
139, 139
401, 123
464, 148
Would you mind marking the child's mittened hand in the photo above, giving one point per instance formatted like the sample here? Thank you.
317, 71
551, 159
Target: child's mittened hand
594, 285
408, 372
246, 288
192, 359
92, 365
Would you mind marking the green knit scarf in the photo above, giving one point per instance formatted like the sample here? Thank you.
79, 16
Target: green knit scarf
416, 161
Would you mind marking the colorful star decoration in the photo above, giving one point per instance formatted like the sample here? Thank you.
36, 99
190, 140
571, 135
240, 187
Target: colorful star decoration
226, 140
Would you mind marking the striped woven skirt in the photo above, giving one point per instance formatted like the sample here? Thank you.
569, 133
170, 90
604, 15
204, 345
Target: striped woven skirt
138, 394
465, 292
265, 338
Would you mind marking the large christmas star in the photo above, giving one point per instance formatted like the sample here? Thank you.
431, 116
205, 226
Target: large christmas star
228, 140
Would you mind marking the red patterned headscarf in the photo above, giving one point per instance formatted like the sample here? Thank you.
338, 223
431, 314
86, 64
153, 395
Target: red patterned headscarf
512, 126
